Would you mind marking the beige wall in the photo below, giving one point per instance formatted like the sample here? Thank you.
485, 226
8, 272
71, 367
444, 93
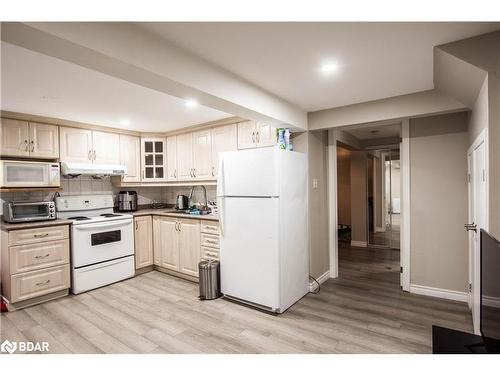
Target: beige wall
318, 203
358, 196
438, 174
478, 117
344, 185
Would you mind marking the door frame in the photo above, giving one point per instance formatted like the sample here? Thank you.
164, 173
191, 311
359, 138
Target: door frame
481, 138
333, 137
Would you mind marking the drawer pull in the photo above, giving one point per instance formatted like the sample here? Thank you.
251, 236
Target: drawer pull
40, 235
212, 241
41, 256
44, 283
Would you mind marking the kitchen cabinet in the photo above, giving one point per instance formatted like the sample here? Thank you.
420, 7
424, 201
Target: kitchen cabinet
29, 139
202, 155
130, 156
254, 134
89, 146
185, 156
209, 240
189, 246
177, 244
106, 148
224, 138
35, 264
171, 158
154, 161
143, 239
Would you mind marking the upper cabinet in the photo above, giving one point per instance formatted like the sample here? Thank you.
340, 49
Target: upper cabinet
253, 134
224, 138
106, 148
172, 158
185, 156
29, 140
202, 155
130, 156
154, 161
88, 146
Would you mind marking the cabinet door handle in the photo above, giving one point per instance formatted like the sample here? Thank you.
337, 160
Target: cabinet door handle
26, 147
41, 256
43, 283
90, 155
194, 172
94, 154
253, 137
136, 225
258, 137
40, 235
32, 146
180, 226
175, 173
213, 171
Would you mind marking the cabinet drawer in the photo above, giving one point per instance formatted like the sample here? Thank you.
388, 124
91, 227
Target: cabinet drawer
37, 283
37, 235
209, 240
40, 255
209, 253
210, 227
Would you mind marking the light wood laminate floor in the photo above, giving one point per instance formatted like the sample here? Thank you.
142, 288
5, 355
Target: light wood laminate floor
363, 311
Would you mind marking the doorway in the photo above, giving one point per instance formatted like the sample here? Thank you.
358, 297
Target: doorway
368, 204
384, 198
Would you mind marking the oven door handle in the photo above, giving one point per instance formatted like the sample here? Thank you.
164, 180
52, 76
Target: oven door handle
103, 225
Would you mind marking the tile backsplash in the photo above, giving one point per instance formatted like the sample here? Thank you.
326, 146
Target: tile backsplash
89, 185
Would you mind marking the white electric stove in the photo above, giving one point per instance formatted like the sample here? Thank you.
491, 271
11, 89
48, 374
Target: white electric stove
102, 242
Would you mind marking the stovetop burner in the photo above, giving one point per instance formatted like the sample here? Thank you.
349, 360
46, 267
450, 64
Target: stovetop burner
79, 218
110, 215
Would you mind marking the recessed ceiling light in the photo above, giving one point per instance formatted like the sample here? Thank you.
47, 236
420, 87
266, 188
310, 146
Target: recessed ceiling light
124, 122
191, 103
329, 68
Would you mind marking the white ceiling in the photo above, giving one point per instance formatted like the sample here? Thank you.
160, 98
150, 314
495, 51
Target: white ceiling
376, 60
375, 131
38, 84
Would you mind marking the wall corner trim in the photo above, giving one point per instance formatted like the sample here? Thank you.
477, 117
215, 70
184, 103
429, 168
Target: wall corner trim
439, 293
321, 280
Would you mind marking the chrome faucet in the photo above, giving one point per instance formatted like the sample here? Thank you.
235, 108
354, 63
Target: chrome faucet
205, 207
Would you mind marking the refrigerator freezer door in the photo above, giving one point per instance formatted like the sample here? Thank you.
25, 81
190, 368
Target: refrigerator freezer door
249, 250
249, 173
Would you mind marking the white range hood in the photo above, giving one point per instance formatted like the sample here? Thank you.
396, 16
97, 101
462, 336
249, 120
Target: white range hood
70, 168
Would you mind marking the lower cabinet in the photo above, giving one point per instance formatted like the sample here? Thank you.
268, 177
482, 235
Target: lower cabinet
176, 244
143, 238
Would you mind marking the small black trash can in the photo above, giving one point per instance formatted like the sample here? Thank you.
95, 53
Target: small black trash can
209, 279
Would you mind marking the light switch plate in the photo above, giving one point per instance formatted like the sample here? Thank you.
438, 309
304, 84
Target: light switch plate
315, 183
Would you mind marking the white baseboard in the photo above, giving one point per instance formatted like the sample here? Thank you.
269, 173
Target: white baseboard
491, 301
321, 280
440, 293
359, 243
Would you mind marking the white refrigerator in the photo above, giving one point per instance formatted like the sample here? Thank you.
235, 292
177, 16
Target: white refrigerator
264, 246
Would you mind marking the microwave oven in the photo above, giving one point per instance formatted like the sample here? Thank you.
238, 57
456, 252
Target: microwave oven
21, 212
14, 173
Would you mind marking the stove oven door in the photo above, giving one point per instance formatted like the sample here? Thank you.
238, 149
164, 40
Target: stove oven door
99, 242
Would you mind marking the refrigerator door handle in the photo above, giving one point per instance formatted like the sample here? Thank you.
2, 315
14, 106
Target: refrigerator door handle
220, 194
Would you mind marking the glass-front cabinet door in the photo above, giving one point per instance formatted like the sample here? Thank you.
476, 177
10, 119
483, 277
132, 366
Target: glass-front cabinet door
154, 159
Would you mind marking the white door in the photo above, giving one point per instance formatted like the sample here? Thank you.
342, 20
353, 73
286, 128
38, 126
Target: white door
75, 145
106, 148
476, 158
246, 135
130, 156
265, 134
185, 156
15, 138
202, 155
249, 250
171, 158
44, 141
224, 138
252, 173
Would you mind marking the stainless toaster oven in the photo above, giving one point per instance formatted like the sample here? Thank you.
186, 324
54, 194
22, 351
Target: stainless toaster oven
21, 212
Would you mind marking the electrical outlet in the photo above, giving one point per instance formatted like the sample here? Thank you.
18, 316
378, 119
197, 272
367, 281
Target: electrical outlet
315, 183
